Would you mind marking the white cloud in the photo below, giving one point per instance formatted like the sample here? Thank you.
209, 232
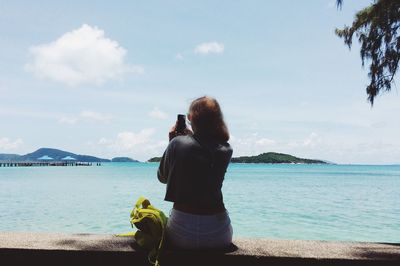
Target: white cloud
81, 56
68, 120
312, 140
158, 114
7, 144
253, 144
370, 152
179, 56
209, 47
331, 4
86, 116
126, 141
138, 145
265, 142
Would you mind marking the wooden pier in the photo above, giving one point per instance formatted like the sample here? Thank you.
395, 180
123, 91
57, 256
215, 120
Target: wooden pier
37, 163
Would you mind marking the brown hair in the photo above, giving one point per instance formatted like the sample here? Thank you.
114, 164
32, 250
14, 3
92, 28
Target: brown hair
207, 119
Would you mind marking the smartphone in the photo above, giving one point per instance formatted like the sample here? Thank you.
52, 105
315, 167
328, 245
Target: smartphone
181, 124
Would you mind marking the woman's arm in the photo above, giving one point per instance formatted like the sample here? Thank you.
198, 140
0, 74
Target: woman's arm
163, 168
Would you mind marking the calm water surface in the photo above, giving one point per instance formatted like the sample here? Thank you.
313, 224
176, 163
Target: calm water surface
324, 202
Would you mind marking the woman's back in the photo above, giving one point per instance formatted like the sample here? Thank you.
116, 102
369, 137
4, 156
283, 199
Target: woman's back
194, 170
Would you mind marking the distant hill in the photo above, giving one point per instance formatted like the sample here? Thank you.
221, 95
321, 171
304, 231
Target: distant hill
123, 160
154, 160
56, 154
269, 157
273, 157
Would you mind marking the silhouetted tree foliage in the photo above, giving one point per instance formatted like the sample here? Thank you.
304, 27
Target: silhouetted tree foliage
377, 29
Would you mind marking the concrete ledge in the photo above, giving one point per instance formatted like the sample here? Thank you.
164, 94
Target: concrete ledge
88, 249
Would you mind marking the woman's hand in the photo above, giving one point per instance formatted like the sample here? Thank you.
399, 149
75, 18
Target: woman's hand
173, 133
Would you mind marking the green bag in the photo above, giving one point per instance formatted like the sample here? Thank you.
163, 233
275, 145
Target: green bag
150, 223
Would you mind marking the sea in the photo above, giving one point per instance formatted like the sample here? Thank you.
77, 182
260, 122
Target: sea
275, 201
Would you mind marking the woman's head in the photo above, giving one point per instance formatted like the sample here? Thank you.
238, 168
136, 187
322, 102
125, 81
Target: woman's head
207, 120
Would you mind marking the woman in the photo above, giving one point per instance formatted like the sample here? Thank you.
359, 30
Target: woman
193, 167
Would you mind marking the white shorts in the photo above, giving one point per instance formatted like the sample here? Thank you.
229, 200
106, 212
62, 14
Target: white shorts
190, 231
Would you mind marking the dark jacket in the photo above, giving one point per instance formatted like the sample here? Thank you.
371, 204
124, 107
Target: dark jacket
193, 169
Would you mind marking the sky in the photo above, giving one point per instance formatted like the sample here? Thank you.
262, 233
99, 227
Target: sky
108, 78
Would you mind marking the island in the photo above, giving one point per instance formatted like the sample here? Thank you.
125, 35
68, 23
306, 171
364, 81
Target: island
268, 157
274, 157
123, 160
154, 160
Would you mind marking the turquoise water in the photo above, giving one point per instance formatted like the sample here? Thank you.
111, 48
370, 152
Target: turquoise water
324, 202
